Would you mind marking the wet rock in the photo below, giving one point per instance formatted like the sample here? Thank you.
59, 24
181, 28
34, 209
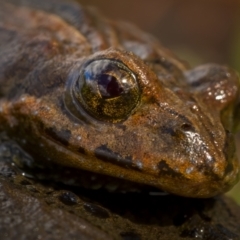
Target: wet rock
68, 198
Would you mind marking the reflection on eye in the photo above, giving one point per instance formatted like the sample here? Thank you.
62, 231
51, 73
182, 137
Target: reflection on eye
107, 89
109, 86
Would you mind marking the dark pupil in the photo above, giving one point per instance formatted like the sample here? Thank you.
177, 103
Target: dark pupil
109, 86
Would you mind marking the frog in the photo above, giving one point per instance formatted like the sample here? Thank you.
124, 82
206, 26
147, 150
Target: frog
100, 102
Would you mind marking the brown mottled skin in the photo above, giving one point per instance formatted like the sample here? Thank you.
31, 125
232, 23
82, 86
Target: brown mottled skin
176, 137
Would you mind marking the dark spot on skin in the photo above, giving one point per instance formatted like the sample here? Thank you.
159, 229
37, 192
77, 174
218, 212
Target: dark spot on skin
121, 126
96, 210
175, 113
164, 63
130, 236
61, 136
166, 170
68, 198
207, 170
152, 100
107, 155
229, 168
181, 117
167, 130
81, 150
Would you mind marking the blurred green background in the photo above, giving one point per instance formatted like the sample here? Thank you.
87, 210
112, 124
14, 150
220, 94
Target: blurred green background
198, 31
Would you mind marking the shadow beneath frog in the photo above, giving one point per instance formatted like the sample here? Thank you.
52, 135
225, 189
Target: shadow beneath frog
129, 216
193, 218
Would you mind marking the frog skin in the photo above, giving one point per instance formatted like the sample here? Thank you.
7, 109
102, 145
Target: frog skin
89, 94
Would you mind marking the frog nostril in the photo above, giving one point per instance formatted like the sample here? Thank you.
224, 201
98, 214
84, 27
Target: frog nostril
186, 127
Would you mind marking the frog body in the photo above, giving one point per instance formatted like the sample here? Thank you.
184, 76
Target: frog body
85, 93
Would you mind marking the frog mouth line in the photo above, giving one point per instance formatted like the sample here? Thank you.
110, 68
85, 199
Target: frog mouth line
79, 177
102, 153
107, 155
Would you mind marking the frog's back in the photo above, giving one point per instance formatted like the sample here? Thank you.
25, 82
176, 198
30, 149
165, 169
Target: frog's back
43, 30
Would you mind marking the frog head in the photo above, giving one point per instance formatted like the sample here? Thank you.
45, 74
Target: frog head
121, 117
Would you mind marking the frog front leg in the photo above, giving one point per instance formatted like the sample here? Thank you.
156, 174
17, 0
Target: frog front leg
219, 88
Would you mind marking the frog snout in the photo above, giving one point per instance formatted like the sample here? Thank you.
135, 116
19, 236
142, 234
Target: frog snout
213, 155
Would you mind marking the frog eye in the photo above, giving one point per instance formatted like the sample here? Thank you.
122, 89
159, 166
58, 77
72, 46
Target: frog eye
107, 90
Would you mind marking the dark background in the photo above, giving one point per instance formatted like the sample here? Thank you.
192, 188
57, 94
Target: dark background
197, 30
